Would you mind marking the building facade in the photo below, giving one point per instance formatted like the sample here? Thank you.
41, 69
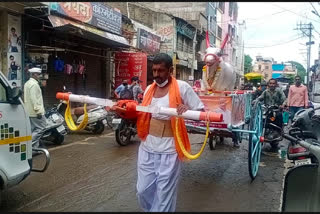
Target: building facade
263, 65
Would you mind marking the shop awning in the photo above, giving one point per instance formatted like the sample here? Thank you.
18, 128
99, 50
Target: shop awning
87, 32
253, 75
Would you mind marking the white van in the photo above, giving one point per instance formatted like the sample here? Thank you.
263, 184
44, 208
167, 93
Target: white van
15, 138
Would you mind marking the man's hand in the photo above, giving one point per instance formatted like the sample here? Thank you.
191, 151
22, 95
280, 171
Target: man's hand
181, 109
39, 116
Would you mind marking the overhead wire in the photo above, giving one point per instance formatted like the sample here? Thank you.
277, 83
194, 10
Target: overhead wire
296, 13
282, 43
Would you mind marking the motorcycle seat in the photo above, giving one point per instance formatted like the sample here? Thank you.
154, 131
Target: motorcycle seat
80, 110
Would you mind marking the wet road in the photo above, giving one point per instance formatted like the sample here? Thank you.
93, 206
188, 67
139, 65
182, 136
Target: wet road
93, 173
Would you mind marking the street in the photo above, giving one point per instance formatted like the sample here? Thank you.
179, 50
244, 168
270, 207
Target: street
93, 173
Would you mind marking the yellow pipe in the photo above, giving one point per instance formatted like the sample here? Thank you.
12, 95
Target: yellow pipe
184, 151
69, 121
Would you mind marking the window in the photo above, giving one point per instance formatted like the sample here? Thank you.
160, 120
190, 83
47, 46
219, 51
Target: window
259, 67
221, 6
212, 24
3, 94
266, 67
219, 35
184, 44
230, 8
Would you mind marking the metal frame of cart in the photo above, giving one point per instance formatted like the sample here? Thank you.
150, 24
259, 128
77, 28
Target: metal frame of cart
242, 113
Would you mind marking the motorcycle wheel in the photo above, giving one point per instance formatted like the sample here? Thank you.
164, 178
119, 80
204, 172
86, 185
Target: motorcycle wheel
123, 133
99, 128
58, 138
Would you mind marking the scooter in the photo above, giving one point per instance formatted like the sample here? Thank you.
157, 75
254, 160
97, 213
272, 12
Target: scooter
98, 116
55, 130
302, 182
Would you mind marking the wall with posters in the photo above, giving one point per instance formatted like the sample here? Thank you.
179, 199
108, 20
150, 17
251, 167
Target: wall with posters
14, 73
129, 64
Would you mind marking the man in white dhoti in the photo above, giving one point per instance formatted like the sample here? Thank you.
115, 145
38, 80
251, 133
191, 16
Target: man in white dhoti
160, 157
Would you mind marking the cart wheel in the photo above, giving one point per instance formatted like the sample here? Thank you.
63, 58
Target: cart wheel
254, 153
212, 143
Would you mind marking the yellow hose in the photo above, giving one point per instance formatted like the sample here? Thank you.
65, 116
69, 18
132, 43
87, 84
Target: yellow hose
184, 151
69, 121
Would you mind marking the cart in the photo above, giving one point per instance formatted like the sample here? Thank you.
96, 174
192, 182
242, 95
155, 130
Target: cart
240, 118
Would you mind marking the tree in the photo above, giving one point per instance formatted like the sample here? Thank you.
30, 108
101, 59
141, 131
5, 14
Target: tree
301, 70
247, 64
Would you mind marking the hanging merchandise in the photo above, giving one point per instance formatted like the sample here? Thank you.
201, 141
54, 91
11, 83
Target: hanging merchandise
68, 69
81, 67
58, 65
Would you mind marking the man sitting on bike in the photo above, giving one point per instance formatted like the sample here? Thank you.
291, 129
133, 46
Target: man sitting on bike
273, 95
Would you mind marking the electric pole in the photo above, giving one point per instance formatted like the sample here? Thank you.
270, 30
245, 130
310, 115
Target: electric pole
306, 29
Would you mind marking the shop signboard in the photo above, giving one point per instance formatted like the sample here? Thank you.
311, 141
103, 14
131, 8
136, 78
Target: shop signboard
185, 28
14, 74
58, 22
148, 41
128, 65
92, 13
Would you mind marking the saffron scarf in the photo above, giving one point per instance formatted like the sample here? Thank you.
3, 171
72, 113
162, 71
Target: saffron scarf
143, 122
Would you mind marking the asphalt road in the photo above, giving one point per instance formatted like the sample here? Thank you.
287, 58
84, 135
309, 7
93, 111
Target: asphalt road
93, 173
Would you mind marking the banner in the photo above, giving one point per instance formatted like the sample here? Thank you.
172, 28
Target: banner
93, 13
219, 104
58, 22
148, 41
14, 50
128, 65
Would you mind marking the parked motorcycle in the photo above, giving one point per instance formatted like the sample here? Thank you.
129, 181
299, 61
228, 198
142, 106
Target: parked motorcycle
125, 129
55, 130
272, 115
302, 181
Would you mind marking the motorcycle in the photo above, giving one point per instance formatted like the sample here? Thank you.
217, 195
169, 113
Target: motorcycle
125, 129
300, 129
302, 181
272, 115
55, 130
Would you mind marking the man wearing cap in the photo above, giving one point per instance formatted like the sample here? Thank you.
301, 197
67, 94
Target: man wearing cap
136, 89
34, 104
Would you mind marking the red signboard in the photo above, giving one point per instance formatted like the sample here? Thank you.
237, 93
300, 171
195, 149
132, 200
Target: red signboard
128, 65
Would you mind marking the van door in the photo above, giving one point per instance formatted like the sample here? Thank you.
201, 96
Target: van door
15, 139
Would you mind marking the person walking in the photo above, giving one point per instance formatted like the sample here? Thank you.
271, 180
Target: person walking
136, 88
285, 113
120, 88
297, 97
33, 102
160, 157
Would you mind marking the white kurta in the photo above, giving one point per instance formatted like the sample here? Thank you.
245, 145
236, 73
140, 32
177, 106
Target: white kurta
33, 100
158, 163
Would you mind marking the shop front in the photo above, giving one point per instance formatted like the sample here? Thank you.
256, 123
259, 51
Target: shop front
75, 46
11, 40
148, 42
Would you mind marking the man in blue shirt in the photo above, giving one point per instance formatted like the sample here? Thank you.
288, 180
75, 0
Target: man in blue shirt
120, 88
